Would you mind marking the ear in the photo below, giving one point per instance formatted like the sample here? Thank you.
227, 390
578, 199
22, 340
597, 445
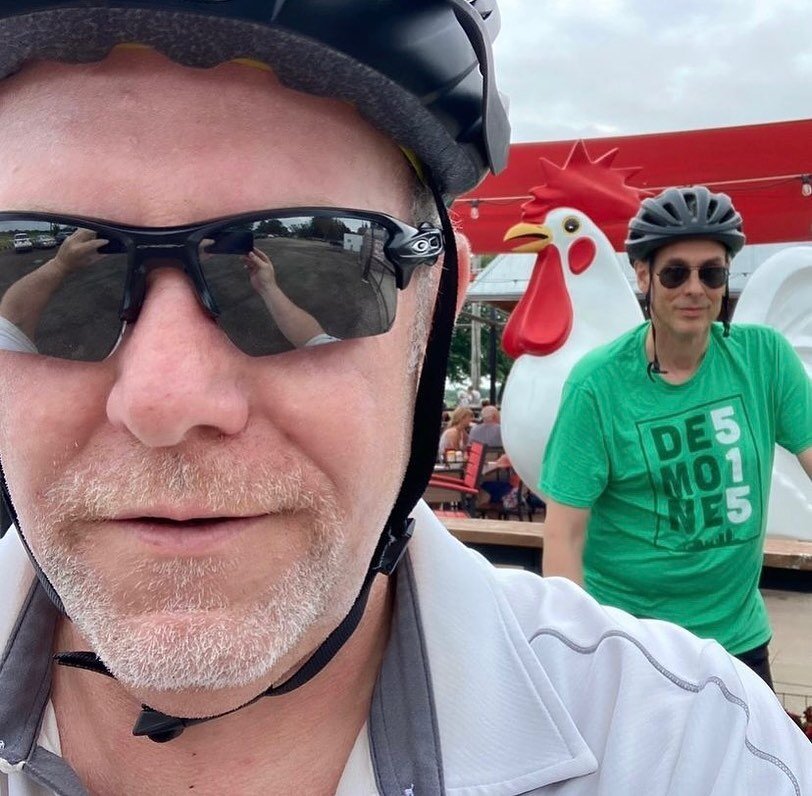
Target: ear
643, 274
463, 268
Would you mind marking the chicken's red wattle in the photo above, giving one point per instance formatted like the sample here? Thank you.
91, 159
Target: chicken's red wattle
542, 320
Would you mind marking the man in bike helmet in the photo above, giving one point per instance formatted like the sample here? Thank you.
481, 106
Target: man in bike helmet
201, 590
662, 512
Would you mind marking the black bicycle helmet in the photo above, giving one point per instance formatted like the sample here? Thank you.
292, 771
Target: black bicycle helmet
421, 71
679, 213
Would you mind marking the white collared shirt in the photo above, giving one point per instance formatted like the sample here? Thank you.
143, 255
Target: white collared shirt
532, 685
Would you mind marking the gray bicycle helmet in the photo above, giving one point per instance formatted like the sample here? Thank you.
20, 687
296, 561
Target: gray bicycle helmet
679, 213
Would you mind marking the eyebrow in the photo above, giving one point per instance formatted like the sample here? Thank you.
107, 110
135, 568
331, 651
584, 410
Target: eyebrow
711, 261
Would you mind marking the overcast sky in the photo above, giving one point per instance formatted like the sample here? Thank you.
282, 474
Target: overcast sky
620, 67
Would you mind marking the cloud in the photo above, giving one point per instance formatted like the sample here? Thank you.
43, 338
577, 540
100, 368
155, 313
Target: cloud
613, 67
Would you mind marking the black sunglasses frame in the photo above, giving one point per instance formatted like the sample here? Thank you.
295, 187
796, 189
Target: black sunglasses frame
701, 270
178, 246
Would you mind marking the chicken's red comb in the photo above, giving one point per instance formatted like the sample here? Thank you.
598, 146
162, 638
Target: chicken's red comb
594, 187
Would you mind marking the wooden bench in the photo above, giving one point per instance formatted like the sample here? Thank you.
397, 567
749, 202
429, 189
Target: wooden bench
528, 537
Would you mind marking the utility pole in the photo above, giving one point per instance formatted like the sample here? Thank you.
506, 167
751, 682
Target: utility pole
476, 329
492, 328
476, 346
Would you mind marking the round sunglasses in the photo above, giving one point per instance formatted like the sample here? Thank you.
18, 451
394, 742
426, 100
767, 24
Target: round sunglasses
712, 276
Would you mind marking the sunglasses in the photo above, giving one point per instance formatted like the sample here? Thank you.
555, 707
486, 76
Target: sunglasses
274, 280
713, 276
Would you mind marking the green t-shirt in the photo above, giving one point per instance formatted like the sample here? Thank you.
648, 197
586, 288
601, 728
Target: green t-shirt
678, 476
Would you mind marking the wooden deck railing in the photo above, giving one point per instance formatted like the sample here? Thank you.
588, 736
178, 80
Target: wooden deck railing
779, 553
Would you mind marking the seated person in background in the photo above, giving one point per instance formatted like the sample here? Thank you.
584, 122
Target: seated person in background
494, 481
489, 431
455, 437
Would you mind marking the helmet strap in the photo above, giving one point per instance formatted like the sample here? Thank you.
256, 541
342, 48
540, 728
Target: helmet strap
654, 364
9, 518
428, 406
162, 727
726, 310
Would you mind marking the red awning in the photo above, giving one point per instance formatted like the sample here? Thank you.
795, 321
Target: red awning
764, 168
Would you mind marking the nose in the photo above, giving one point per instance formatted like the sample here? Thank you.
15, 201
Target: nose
694, 284
177, 373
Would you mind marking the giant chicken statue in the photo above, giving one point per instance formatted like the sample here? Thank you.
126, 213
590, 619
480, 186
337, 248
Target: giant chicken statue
779, 294
578, 297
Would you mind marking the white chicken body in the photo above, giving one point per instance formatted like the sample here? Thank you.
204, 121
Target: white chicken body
603, 306
779, 294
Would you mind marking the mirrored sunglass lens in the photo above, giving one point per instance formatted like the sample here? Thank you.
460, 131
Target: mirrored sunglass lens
713, 276
290, 282
673, 276
58, 295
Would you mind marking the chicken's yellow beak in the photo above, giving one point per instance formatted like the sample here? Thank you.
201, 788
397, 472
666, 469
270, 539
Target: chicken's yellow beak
534, 236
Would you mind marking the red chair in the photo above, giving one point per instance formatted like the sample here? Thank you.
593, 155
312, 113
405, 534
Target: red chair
459, 492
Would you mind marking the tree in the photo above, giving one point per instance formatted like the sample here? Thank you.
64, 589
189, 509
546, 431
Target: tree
273, 226
459, 360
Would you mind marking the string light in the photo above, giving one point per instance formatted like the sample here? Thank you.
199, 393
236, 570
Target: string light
475, 209
806, 185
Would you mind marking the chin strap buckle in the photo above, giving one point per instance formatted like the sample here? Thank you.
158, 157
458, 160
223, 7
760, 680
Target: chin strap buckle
392, 546
158, 726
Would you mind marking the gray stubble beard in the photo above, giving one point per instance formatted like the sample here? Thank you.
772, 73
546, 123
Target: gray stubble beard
207, 645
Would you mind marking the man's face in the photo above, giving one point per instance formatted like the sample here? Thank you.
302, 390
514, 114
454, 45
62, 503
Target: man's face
690, 308
191, 503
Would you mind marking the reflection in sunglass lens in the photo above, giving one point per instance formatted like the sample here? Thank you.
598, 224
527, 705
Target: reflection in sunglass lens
59, 295
712, 276
286, 282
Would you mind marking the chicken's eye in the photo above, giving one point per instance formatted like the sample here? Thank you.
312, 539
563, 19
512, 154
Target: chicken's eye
571, 224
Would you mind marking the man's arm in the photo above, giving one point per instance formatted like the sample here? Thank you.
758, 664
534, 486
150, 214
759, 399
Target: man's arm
564, 535
26, 300
295, 323
805, 458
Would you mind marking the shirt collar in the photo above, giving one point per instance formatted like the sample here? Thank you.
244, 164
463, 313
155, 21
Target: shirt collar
502, 726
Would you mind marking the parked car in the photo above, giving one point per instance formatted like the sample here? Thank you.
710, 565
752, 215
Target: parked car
63, 234
22, 243
44, 242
